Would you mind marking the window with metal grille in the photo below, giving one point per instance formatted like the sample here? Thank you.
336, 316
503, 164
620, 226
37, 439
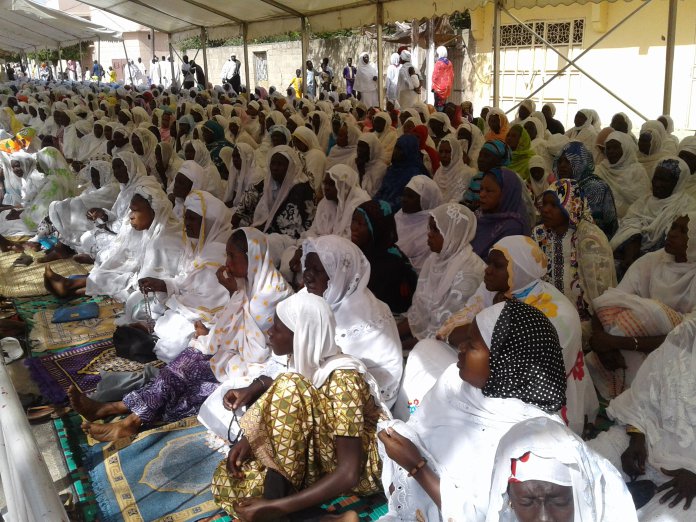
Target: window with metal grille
556, 33
261, 66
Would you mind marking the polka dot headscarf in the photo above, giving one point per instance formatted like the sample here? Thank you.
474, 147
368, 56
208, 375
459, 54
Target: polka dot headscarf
526, 360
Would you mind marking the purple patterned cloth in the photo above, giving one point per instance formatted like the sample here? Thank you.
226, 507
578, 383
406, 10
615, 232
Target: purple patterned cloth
178, 391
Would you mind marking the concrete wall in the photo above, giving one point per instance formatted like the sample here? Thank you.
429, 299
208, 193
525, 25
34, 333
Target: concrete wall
285, 57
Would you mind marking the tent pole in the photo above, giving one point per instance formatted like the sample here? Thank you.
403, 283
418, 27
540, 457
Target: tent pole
204, 45
496, 54
60, 62
305, 55
245, 39
171, 58
669, 59
430, 64
98, 59
154, 48
380, 51
127, 64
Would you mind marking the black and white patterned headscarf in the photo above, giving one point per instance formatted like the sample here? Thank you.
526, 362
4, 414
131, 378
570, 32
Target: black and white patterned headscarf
526, 359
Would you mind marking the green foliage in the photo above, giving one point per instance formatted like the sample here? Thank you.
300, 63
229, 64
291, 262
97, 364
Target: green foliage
71, 52
461, 21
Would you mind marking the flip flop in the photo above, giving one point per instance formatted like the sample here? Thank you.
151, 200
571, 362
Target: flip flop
39, 414
11, 349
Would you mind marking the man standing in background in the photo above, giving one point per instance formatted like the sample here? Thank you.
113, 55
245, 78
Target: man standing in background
349, 75
311, 81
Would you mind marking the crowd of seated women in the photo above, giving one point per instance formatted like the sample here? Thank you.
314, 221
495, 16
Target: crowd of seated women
430, 305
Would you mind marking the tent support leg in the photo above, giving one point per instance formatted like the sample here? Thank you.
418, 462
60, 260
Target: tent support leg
127, 65
204, 48
380, 48
171, 58
669, 58
99, 60
245, 39
496, 54
305, 55
572, 62
60, 63
430, 64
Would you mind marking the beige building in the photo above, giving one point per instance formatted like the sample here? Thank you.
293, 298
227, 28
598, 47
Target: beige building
630, 61
137, 38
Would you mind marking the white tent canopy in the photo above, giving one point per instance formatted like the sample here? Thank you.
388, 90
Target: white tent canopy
267, 17
26, 25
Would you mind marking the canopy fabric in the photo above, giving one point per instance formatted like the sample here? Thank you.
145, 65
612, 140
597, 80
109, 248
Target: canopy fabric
25, 25
268, 17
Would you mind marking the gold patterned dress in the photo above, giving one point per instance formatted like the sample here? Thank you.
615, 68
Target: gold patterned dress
292, 429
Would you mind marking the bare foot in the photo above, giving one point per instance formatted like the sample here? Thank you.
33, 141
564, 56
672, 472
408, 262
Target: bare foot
60, 251
91, 409
348, 516
114, 431
84, 259
32, 245
61, 286
9, 246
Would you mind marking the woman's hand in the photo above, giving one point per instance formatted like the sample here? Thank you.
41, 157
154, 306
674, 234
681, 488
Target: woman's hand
258, 510
633, 459
400, 449
296, 261
152, 284
681, 487
97, 213
602, 344
238, 455
201, 330
239, 397
226, 280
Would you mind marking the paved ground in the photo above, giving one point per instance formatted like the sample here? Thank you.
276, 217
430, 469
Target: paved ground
43, 433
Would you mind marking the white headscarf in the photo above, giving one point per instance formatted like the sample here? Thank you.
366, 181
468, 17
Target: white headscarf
375, 168
688, 144
215, 229
202, 157
137, 176
343, 155
335, 217
365, 327
155, 252
238, 341
626, 178
171, 160
585, 133
364, 77
387, 137
538, 187
315, 353
651, 217
599, 493
240, 180
477, 140
453, 179
412, 228
450, 277
149, 142
272, 200
657, 138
